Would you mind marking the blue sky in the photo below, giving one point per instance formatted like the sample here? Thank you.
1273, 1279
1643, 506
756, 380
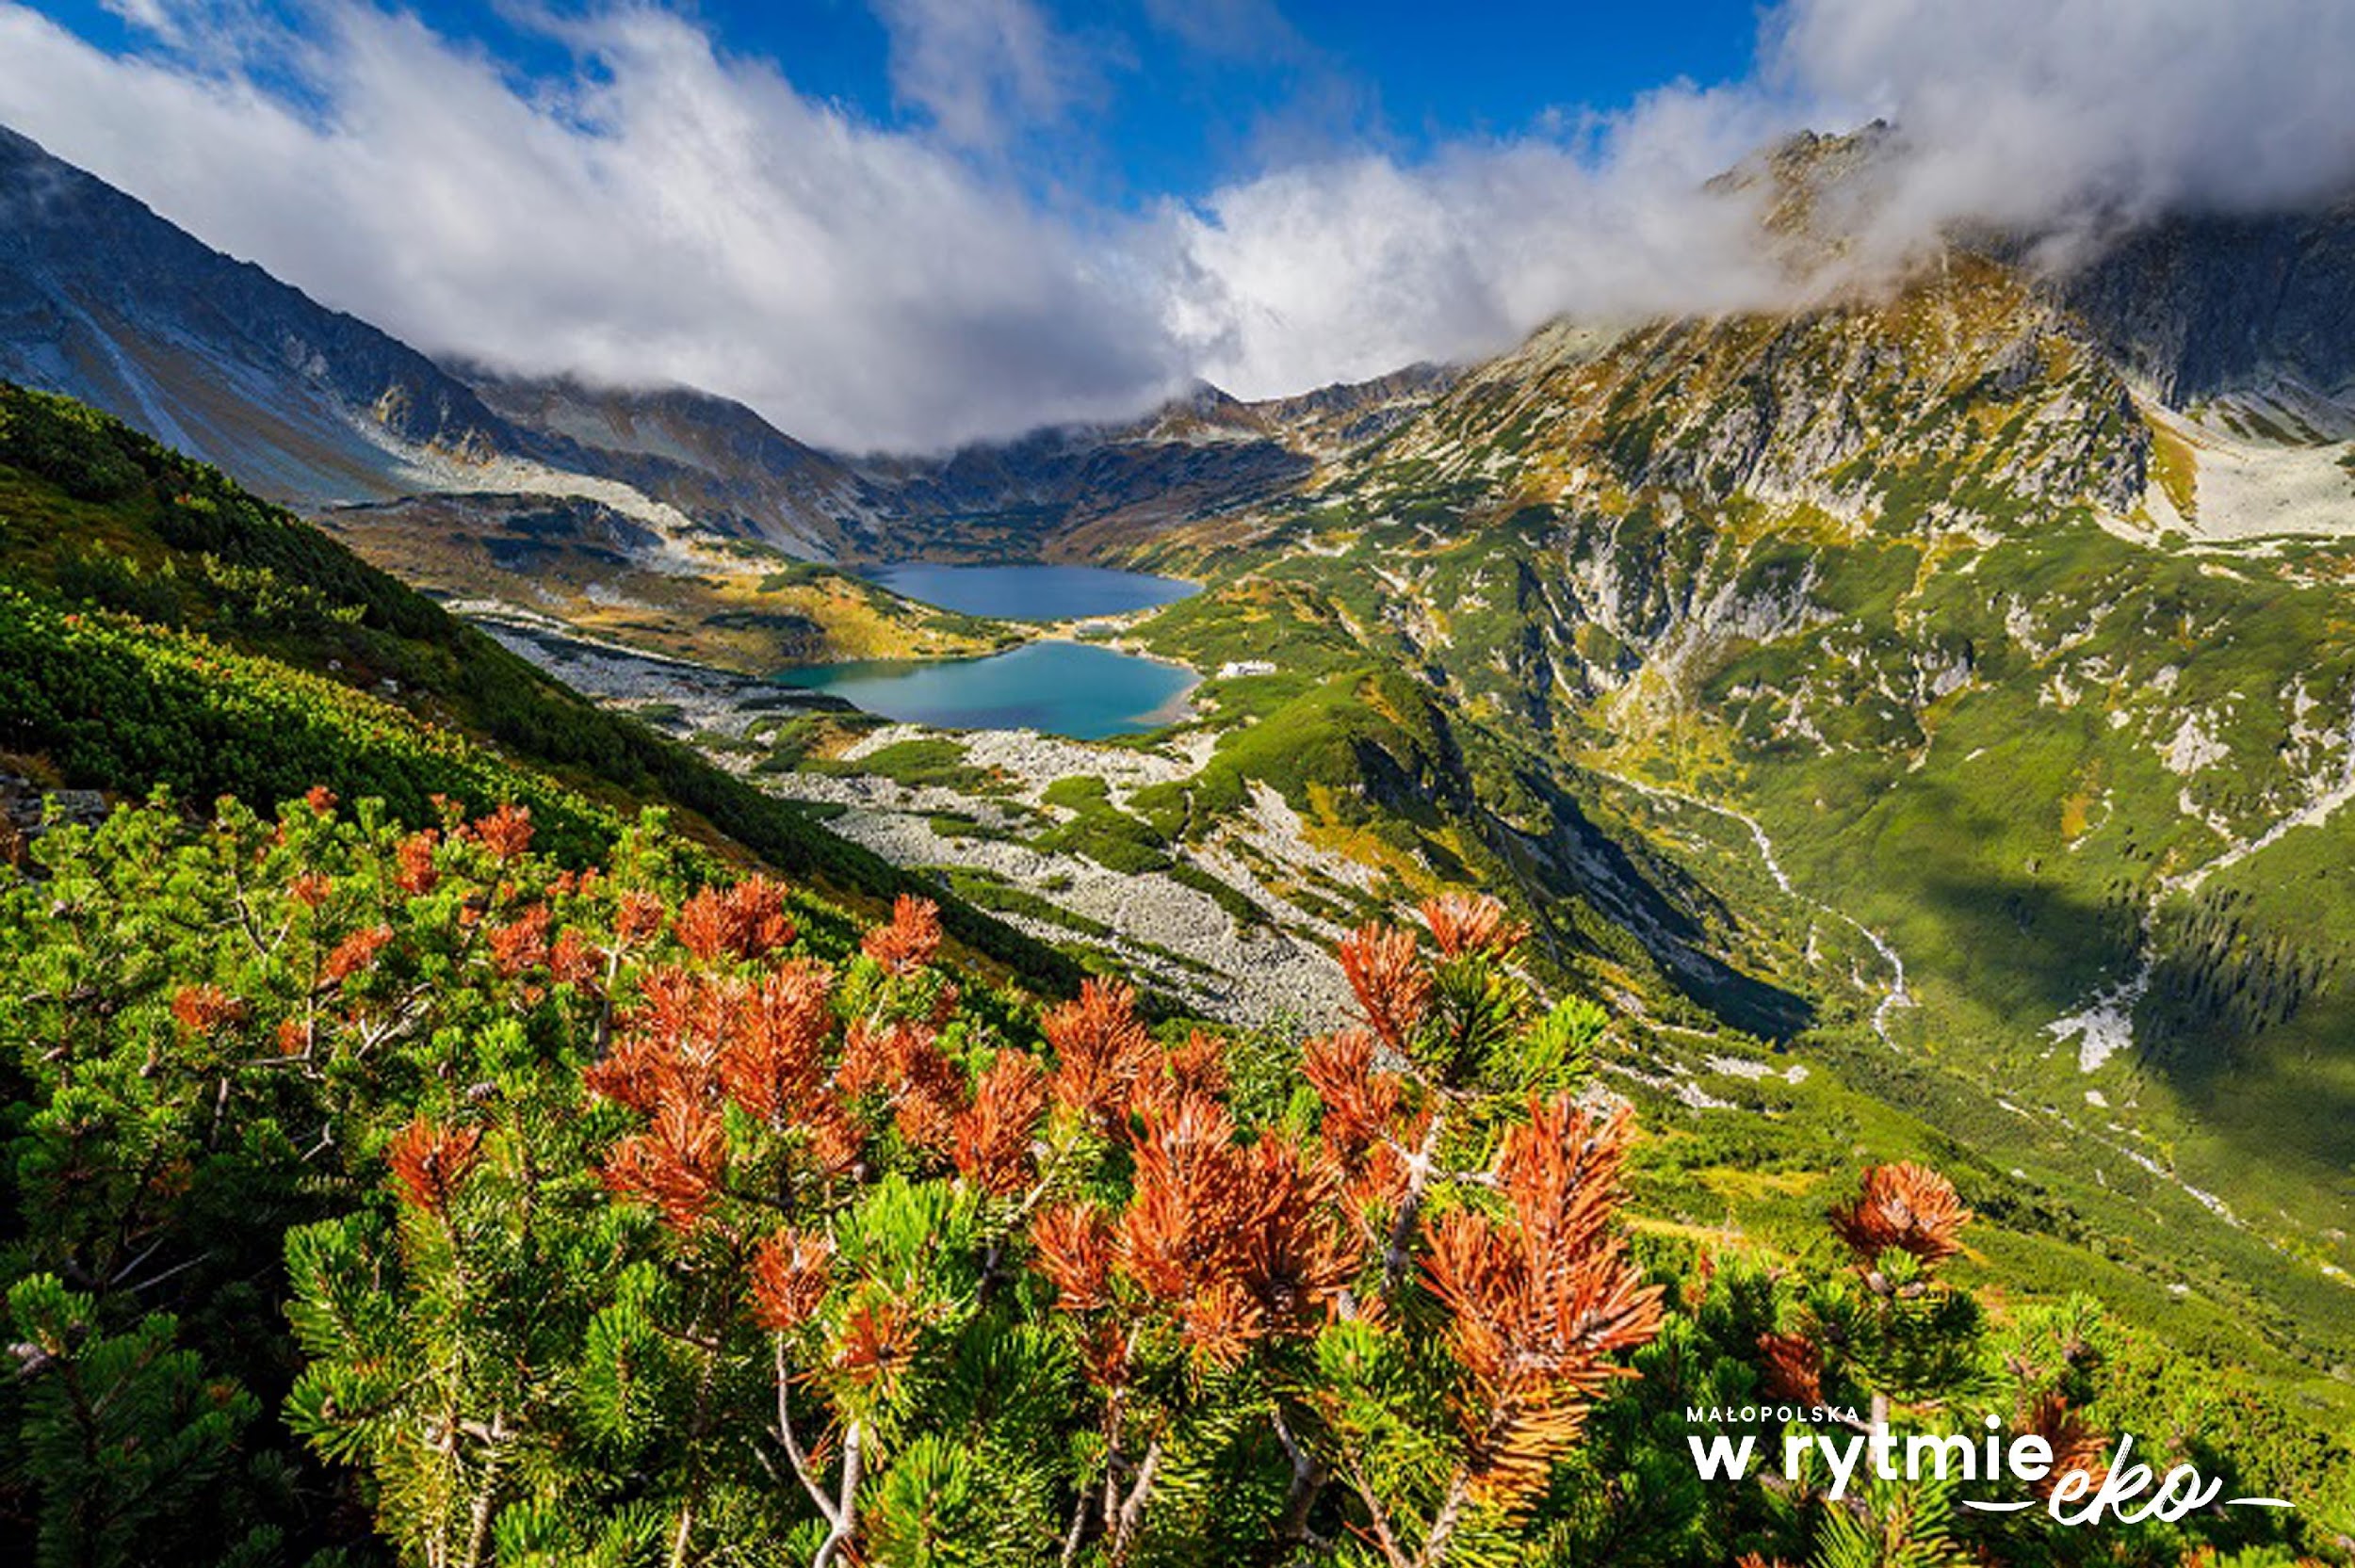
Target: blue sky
1179, 95
906, 223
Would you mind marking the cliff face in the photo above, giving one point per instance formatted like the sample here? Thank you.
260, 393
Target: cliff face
2202, 306
1965, 374
712, 459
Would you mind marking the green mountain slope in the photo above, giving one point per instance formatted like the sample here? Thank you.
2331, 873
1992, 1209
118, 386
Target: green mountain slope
163, 627
1868, 619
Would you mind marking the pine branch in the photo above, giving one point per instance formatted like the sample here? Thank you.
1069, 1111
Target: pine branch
793, 1450
1309, 1475
1132, 1507
1443, 1523
846, 1511
1079, 1528
479, 1532
1384, 1540
1397, 1254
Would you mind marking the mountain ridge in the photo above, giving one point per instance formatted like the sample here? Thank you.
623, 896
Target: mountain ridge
84, 262
101, 298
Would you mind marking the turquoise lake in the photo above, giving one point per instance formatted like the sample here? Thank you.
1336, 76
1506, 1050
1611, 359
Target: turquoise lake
1068, 689
1029, 592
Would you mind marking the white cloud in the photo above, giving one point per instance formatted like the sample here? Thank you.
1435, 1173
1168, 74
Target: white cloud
668, 213
983, 69
2027, 110
153, 15
1345, 270
671, 215
1246, 29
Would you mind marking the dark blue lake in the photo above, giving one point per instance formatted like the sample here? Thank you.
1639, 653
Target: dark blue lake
1066, 689
1029, 592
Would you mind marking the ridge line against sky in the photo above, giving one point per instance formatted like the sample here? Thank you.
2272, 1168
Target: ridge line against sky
920, 222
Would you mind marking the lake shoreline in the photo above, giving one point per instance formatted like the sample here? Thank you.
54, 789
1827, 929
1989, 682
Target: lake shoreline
1071, 679
1056, 685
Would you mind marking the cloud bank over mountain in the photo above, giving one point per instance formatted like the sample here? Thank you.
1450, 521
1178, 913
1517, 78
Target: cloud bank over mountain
662, 210
2034, 111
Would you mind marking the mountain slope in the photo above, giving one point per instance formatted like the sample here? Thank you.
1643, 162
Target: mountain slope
712, 458
100, 299
1057, 493
1879, 620
164, 627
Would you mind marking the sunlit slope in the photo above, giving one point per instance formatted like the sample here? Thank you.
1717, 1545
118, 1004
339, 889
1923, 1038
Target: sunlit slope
1881, 602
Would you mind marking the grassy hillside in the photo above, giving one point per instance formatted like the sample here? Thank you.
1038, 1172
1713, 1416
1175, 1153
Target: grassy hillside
161, 626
